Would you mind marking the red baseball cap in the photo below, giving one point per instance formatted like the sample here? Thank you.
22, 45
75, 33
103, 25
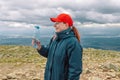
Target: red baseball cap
63, 18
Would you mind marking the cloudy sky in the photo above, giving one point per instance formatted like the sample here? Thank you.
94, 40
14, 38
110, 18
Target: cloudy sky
90, 13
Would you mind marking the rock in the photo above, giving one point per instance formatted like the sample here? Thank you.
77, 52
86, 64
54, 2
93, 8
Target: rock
104, 67
108, 78
4, 78
107, 67
94, 78
114, 67
36, 78
112, 75
11, 76
87, 71
1, 55
118, 74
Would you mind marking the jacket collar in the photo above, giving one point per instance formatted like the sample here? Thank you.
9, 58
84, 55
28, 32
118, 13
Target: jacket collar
64, 34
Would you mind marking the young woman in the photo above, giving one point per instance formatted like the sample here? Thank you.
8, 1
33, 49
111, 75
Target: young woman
64, 52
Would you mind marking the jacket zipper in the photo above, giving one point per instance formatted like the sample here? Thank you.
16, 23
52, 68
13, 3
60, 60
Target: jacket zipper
53, 60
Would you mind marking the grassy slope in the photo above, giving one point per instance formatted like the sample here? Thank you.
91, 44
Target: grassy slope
96, 62
20, 54
27, 54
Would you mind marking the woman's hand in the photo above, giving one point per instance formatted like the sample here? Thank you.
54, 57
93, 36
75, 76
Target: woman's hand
33, 42
37, 43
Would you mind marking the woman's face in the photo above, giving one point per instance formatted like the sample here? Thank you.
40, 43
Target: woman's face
60, 26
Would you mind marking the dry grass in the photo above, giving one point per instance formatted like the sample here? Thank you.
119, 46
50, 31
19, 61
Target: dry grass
96, 62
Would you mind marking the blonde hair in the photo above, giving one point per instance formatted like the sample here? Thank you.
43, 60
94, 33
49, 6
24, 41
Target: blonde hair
76, 32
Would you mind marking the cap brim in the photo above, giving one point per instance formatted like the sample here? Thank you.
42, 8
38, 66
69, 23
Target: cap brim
55, 20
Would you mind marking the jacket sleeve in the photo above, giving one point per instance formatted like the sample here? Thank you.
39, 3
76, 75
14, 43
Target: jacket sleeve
44, 49
75, 61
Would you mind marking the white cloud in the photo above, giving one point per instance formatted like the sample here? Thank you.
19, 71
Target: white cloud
20, 25
100, 17
15, 25
39, 11
92, 25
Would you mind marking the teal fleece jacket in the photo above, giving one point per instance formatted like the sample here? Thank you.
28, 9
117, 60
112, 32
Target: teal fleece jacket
64, 57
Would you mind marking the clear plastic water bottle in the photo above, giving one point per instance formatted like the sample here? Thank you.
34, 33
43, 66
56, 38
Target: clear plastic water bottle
36, 37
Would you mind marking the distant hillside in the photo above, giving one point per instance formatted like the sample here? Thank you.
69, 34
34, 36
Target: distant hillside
24, 63
24, 54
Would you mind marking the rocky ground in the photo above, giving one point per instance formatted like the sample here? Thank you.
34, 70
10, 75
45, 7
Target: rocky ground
24, 63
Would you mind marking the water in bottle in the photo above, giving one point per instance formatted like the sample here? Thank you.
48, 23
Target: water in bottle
36, 36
